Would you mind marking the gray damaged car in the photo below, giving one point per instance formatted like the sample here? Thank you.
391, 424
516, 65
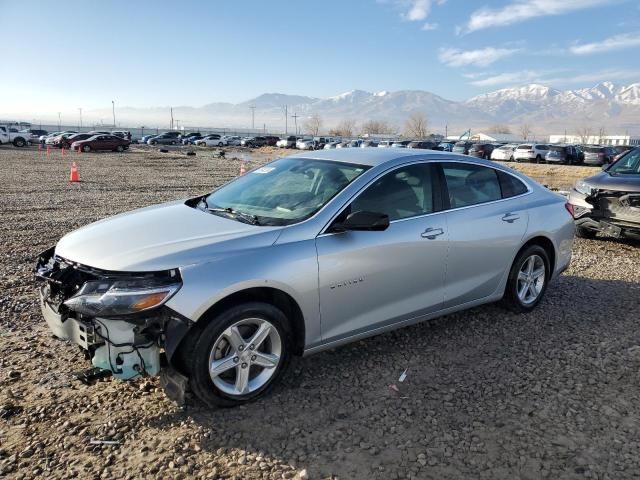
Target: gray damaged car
308, 252
609, 202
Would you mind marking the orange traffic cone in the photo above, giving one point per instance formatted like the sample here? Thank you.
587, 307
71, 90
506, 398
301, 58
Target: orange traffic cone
62, 151
243, 170
75, 176
39, 147
48, 149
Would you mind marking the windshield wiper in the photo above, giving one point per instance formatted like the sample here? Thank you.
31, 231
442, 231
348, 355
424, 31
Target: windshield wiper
246, 217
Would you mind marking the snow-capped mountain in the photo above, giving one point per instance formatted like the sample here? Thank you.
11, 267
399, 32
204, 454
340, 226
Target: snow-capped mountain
615, 107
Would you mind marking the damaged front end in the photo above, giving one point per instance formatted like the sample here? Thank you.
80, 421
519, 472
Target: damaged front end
118, 318
615, 213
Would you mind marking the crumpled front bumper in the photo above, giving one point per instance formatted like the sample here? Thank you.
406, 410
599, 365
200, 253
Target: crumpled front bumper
127, 346
609, 212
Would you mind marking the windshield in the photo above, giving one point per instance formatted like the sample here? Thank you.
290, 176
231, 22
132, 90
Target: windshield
556, 148
627, 165
594, 149
286, 191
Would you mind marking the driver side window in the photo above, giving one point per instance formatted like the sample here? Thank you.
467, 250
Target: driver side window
403, 193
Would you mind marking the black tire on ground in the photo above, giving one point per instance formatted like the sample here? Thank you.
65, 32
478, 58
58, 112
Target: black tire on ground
220, 144
66, 146
510, 300
120, 148
173, 143
511, 158
153, 142
86, 148
582, 232
196, 360
19, 142
538, 158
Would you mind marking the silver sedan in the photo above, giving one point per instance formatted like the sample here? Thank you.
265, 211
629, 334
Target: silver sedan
305, 253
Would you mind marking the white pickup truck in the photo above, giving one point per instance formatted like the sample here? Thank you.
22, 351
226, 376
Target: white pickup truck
12, 135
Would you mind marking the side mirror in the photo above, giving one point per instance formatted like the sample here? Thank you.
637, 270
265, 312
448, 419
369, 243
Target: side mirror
363, 221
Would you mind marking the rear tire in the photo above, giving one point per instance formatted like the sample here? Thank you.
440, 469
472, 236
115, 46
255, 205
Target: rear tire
19, 142
86, 148
587, 233
516, 283
119, 149
198, 358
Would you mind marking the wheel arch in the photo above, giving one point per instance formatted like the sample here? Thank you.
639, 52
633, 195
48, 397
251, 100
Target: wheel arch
547, 245
270, 295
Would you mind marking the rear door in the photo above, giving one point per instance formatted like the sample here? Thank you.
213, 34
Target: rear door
486, 223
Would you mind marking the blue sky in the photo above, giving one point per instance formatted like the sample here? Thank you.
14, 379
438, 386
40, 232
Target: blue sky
156, 53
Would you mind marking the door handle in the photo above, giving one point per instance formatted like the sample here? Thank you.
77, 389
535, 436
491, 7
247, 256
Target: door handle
432, 233
510, 217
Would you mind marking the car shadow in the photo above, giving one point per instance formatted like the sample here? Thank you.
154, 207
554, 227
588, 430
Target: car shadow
484, 373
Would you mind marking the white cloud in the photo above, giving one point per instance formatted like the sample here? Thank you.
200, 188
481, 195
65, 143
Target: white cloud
617, 42
418, 10
522, 10
454, 57
505, 78
557, 78
429, 26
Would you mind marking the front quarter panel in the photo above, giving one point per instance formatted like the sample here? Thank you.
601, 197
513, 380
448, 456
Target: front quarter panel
291, 267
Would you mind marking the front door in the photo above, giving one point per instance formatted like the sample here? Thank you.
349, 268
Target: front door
369, 280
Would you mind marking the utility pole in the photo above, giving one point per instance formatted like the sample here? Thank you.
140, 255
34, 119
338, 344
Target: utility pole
59, 121
171, 127
253, 116
446, 131
80, 110
286, 130
113, 107
295, 120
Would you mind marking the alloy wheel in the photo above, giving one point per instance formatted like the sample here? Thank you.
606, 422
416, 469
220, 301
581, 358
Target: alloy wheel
245, 356
531, 278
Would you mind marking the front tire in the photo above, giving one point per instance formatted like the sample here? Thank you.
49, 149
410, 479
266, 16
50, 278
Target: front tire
19, 142
528, 279
119, 149
239, 355
86, 148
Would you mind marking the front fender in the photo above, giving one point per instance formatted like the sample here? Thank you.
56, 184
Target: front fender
291, 268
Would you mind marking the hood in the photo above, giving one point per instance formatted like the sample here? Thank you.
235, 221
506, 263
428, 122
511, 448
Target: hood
606, 181
161, 237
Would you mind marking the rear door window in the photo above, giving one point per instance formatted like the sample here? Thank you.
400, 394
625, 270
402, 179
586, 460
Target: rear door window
470, 184
510, 185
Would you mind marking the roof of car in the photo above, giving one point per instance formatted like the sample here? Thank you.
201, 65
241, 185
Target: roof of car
373, 156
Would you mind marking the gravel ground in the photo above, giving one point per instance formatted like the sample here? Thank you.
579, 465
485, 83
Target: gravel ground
488, 394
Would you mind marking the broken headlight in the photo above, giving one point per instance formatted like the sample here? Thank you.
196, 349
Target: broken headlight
114, 297
584, 188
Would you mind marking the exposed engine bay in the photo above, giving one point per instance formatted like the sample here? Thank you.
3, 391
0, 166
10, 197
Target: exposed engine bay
116, 318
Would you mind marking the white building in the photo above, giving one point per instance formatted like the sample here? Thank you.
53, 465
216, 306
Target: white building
488, 137
596, 139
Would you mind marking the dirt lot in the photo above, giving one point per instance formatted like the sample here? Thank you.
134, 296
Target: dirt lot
489, 394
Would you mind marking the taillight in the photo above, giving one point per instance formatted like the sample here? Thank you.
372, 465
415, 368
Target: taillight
569, 208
